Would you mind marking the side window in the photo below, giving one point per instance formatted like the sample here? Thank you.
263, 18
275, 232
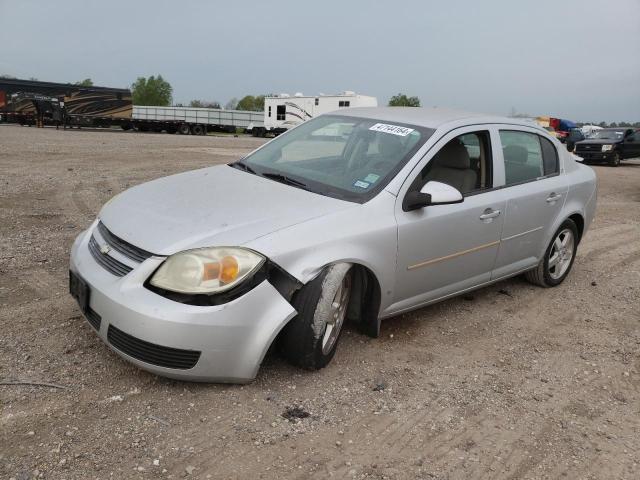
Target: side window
343, 103
281, 112
549, 156
269, 110
522, 153
464, 163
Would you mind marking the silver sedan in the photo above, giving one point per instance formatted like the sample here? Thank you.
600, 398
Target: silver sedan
357, 215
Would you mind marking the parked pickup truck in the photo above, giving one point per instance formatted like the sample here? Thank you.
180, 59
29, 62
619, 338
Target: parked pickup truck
610, 145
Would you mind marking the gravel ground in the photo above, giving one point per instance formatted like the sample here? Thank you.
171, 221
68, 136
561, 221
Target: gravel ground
509, 382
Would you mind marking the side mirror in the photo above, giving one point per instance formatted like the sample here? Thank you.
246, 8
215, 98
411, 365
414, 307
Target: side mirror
433, 193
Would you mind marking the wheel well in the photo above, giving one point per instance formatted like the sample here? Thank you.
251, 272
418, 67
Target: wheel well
579, 221
365, 300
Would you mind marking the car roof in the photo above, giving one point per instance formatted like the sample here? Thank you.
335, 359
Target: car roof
430, 117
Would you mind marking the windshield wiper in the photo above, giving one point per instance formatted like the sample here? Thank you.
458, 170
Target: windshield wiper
278, 177
240, 165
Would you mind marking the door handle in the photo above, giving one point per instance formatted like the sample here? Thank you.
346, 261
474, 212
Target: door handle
489, 213
553, 197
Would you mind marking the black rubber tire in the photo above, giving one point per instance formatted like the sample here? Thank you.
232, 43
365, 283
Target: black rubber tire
184, 129
197, 129
299, 343
615, 161
540, 275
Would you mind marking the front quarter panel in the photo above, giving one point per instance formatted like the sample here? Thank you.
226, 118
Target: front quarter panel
365, 235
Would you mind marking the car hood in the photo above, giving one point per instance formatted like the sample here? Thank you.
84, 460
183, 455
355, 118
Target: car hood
216, 206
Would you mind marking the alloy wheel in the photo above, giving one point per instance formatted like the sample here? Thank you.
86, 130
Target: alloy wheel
337, 315
561, 254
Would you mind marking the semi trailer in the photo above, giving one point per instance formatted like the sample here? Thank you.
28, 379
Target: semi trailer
196, 121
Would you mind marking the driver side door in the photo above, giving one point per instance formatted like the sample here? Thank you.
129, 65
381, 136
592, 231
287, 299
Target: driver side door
446, 249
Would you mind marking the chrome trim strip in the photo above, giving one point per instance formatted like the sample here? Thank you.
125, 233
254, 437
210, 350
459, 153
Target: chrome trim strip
453, 255
521, 234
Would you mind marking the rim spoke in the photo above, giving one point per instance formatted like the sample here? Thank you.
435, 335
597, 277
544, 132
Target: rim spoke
558, 243
565, 240
554, 260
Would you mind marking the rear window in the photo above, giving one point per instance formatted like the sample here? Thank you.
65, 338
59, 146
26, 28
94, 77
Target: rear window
522, 154
527, 156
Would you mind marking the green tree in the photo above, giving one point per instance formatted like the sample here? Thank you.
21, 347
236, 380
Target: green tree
249, 102
204, 104
87, 82
401, 100
152, 91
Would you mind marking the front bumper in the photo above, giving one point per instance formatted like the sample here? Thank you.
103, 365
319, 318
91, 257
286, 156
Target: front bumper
232, 338
596, 156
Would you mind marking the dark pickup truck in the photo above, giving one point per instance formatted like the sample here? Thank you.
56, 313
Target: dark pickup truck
610, 145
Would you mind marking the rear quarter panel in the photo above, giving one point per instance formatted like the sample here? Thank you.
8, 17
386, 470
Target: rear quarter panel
581, 195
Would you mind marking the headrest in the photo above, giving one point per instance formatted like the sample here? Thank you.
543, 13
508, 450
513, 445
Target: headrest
453, 155
515, 154
390, 146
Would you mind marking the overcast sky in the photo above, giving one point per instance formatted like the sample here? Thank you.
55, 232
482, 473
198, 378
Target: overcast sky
576, 59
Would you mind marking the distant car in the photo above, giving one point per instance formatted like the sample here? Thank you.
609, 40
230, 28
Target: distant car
360, 214
574, 135
610, 145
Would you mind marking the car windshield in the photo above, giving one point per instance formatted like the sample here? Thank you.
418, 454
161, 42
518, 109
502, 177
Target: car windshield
338, 156
608, 134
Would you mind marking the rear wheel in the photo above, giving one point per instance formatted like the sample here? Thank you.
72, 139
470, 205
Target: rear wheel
310, 340
558, 258
183, 129
197, 130
615, 160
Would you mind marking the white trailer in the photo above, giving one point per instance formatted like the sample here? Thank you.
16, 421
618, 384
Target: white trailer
196, 121
283, 111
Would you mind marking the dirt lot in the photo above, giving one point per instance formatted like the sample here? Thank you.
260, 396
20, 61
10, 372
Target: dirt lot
510, 382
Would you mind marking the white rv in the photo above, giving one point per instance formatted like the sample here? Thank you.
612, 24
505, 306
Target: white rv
284, 111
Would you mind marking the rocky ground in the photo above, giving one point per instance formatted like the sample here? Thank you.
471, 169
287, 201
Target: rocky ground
509, 382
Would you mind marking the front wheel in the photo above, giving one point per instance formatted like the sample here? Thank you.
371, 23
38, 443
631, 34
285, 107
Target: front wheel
310, 340
558, 258
615, 160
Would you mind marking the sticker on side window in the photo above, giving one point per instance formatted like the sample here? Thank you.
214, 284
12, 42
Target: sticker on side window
392, 129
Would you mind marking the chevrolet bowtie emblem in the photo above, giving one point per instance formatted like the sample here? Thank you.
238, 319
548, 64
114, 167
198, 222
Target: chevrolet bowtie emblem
104, 249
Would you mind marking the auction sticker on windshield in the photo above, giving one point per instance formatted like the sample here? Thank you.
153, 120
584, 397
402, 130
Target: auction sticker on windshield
393, 129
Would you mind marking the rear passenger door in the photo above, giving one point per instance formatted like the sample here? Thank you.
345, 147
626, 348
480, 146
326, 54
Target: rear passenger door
535, 192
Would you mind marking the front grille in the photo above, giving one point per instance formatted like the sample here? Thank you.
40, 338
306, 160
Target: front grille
93, 318
151, 353
134, 253
592, 148
108, 262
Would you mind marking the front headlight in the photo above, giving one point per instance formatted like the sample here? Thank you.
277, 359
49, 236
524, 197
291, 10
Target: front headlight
607, 148
207, 270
